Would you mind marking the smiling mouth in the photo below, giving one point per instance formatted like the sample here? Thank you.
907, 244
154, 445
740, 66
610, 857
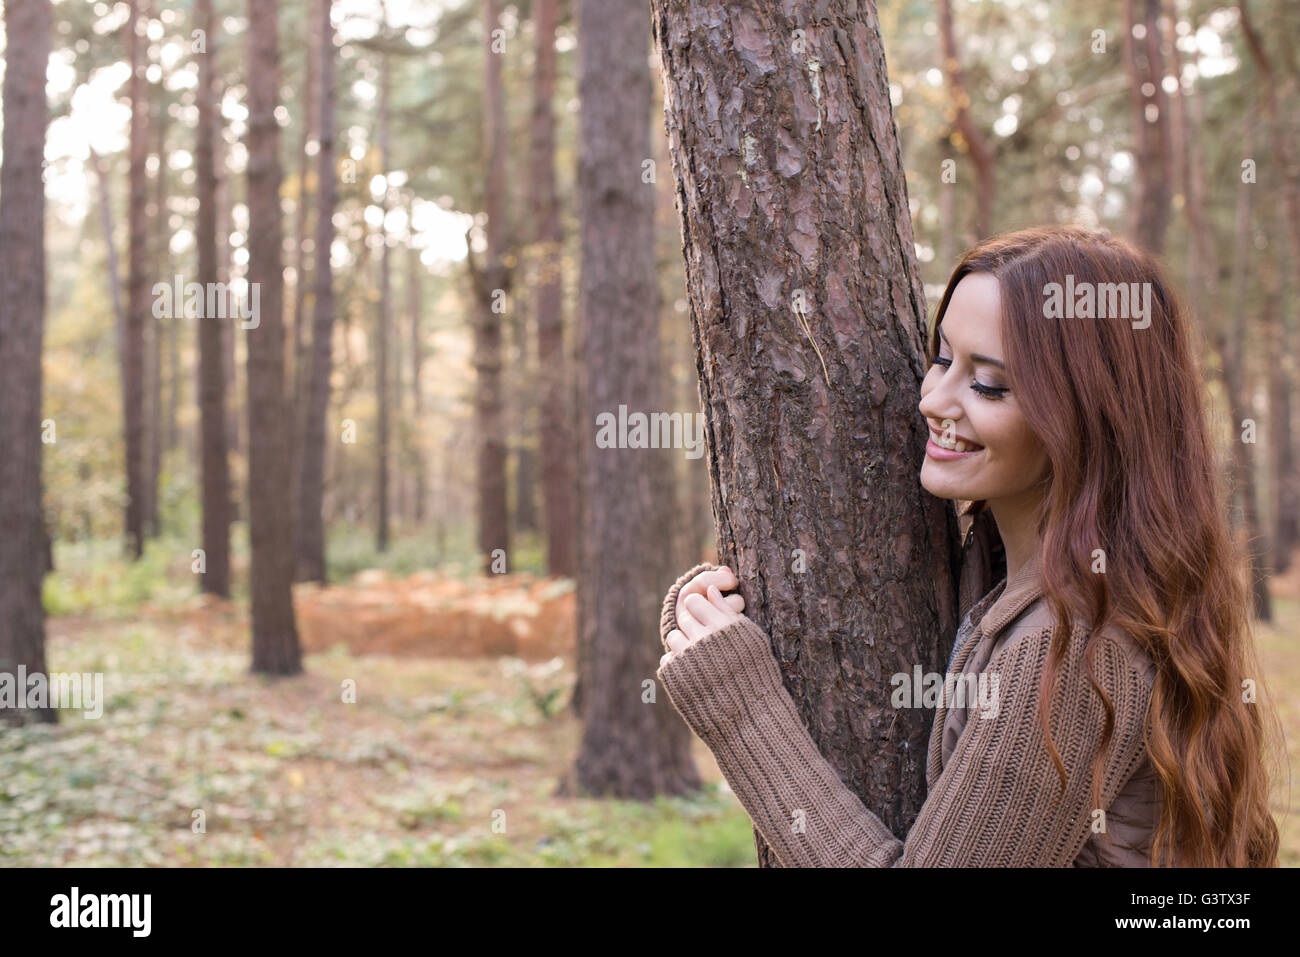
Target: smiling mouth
957, 444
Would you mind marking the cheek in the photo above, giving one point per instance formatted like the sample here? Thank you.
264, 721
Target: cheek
1011, 439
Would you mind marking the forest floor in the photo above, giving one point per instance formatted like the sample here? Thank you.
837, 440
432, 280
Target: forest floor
196, 763
447, 757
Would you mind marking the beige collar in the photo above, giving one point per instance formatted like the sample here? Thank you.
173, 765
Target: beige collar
1018, 593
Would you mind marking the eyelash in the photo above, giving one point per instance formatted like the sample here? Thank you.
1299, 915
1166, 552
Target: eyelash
987, 391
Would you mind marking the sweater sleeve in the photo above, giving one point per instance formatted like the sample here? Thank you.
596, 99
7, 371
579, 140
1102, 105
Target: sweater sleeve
996, 801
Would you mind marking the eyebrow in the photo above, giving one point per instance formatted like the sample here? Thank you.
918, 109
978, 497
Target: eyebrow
975, 356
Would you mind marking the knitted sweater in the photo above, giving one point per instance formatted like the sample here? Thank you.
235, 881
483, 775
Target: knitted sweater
992, 785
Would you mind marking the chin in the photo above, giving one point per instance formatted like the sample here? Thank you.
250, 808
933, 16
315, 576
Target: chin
939, 487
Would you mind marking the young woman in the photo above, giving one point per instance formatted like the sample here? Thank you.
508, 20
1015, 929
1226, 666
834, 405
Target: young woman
1124, 731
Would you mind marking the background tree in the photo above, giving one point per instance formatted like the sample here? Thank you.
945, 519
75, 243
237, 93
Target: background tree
275, 634
492, 287
212, 378
383, 317
1144, 58
971, 136
630, 747
22, 329
558, 480
808, 317
137, 289
309, 549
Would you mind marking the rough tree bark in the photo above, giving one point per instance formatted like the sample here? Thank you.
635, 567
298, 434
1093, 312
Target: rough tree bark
275, 634
632, 746
807, 313
559, 483
212, 374
309, 548
22, 327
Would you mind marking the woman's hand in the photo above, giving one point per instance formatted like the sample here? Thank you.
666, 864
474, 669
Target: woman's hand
702, 609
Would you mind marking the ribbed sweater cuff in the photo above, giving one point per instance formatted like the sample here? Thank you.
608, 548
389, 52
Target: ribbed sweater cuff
727, 686
719, 680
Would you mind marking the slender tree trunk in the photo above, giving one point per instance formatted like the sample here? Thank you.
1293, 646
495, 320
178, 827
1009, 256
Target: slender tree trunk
1282, 372
212, 378
974, 141
157, 328
632, 746
419, 476
310, 528
106, 223
22, 327
1232, 348
384, 319
1281, 386
1151, 209
808, 316
275, 635
301, 224
525, 510
559, 483
137, 288
491, 286
228, 364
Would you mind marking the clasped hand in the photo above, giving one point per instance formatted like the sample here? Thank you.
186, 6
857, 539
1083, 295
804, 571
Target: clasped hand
702, 609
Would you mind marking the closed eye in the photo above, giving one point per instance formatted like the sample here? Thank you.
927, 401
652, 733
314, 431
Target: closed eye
989, 391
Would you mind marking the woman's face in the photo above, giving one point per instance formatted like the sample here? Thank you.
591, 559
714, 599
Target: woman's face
980, 446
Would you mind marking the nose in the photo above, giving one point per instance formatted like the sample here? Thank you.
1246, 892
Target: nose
938, 397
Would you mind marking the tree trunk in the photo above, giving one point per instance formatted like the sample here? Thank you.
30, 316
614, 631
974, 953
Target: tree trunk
419, 476
137, 288
212, 378
1232, 349
384, 319
1282, 371
22, 326
491, 286
157, 328
1151, 208
631, 747
106, 223
559, 483
228, 363
525, 510
1286, 485
808, 314
310, 527
275, 634
309, 131
973, 139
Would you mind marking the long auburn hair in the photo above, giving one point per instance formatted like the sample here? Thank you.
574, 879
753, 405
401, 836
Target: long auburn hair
1121, 414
